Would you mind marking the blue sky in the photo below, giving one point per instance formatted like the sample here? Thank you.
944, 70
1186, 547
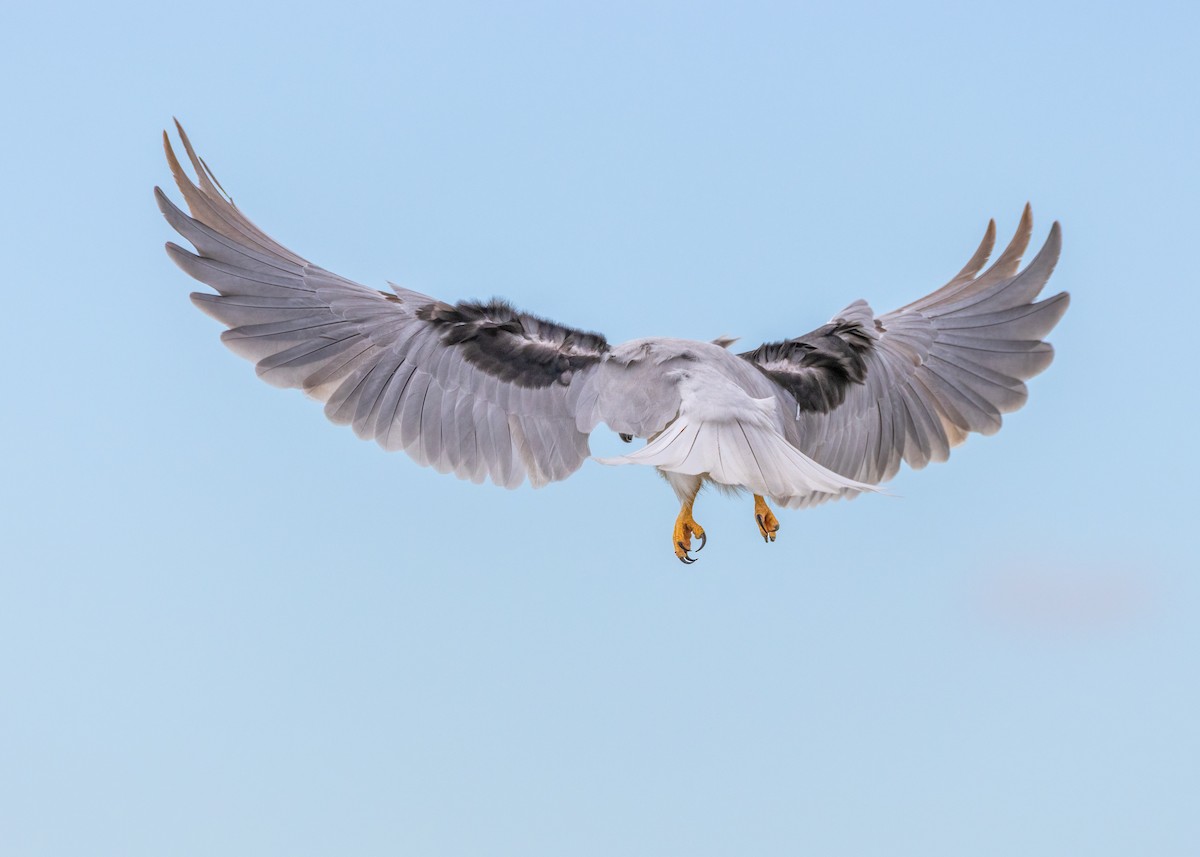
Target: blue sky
228, 627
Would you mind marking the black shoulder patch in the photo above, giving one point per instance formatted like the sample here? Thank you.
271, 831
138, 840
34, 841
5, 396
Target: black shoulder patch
819, 367
511, 345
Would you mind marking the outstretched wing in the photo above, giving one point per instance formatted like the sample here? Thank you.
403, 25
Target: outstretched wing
479, 389
869, 391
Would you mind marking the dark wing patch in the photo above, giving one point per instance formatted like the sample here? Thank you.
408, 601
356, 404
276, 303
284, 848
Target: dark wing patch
511, 345
819, 367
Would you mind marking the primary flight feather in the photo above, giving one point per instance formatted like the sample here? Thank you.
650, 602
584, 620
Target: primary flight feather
486, 391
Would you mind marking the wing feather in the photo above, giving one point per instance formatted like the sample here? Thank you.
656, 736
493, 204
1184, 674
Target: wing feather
477, 388
942, 367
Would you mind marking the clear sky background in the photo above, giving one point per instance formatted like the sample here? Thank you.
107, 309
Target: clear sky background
228, 627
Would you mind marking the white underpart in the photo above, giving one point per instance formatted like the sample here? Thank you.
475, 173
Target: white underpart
724, 434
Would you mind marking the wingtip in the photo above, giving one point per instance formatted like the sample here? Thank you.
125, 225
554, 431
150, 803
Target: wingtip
989, 238
172, 160
177, 253
1050, 311
1044, 263
1055, 236
1008, 262
167, 137
207, 303
1026, 223
981, 255
169, 209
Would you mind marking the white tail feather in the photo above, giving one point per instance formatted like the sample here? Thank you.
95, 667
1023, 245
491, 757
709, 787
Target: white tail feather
743, 454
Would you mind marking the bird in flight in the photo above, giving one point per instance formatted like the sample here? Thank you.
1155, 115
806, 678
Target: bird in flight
487, 391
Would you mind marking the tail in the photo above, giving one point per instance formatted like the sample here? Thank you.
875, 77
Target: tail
742, 454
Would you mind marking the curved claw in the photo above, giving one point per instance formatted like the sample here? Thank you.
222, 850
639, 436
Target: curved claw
703, 542
686, 558
768, 524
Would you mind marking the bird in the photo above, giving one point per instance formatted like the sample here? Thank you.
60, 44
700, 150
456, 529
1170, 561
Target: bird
486, 391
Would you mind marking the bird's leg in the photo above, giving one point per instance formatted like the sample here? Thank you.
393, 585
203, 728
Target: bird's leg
768, 524
686, 526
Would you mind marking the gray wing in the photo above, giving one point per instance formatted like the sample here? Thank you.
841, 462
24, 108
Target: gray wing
479, 389
870, 391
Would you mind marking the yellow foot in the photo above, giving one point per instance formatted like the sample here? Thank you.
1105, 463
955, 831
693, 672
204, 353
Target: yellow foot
768, 524
685, 528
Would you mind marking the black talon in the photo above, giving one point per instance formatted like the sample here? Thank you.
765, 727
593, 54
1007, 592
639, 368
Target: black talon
703, 542
686, 559
761, 527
